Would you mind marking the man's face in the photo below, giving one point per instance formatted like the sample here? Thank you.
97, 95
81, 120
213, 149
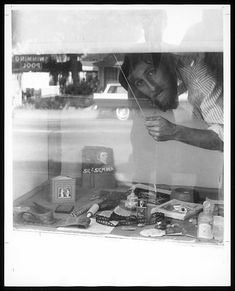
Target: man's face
159, 85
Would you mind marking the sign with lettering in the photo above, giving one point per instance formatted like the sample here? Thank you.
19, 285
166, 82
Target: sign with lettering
27, 63
98, 169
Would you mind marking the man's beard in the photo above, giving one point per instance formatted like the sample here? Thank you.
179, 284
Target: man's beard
171, 103
168, 106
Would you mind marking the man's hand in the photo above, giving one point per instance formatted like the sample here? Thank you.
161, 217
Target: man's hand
160, 128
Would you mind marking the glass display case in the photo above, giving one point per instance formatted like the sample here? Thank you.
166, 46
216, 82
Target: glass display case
72, 151
118, 135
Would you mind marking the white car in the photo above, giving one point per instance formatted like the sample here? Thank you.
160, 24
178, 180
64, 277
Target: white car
114, 96
112, 91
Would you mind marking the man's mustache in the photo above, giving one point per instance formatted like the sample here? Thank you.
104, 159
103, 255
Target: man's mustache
166, 106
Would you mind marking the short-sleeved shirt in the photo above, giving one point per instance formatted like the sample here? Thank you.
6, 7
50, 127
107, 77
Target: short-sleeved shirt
205, 92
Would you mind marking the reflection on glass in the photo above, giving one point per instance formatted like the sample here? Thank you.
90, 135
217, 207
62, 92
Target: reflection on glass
160, 115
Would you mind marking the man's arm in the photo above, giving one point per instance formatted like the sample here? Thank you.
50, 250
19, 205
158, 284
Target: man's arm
202, 138
162, 130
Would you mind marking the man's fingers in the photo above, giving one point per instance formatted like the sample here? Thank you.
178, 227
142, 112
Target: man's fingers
158, 138
152, 123
154, 129
150, 118
157, 127
155, 135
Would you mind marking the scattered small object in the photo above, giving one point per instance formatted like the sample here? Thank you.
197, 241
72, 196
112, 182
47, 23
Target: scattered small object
94, 208
18, 209
79, 222
107, 204
178, 209
83, 222
217, 207
106, 219
80, 211
96, 195
218, 228
156, 217
194, 222
129, 220
205, 220
121, 212
174, 230
17, 213
141, 214
132, 201
64, 208
35, 214
152, 232
94, 198
106, 213
160, 226
189, 235
128, 228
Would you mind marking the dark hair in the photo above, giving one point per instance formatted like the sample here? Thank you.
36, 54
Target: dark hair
130, 62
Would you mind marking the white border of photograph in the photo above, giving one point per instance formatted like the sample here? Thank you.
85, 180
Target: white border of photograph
56, 259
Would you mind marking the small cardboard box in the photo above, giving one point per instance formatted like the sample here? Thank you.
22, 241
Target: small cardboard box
63, 189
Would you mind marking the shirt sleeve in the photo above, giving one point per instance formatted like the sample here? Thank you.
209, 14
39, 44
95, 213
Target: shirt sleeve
219, 129
212, 111
205, 91
211, 105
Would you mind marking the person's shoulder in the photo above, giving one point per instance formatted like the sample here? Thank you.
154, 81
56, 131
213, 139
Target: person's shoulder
186, 59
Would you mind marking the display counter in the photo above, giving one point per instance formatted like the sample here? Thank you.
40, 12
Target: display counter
85, 198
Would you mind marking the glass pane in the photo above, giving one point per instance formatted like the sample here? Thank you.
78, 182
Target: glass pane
121, 131
112, 89
143, 137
